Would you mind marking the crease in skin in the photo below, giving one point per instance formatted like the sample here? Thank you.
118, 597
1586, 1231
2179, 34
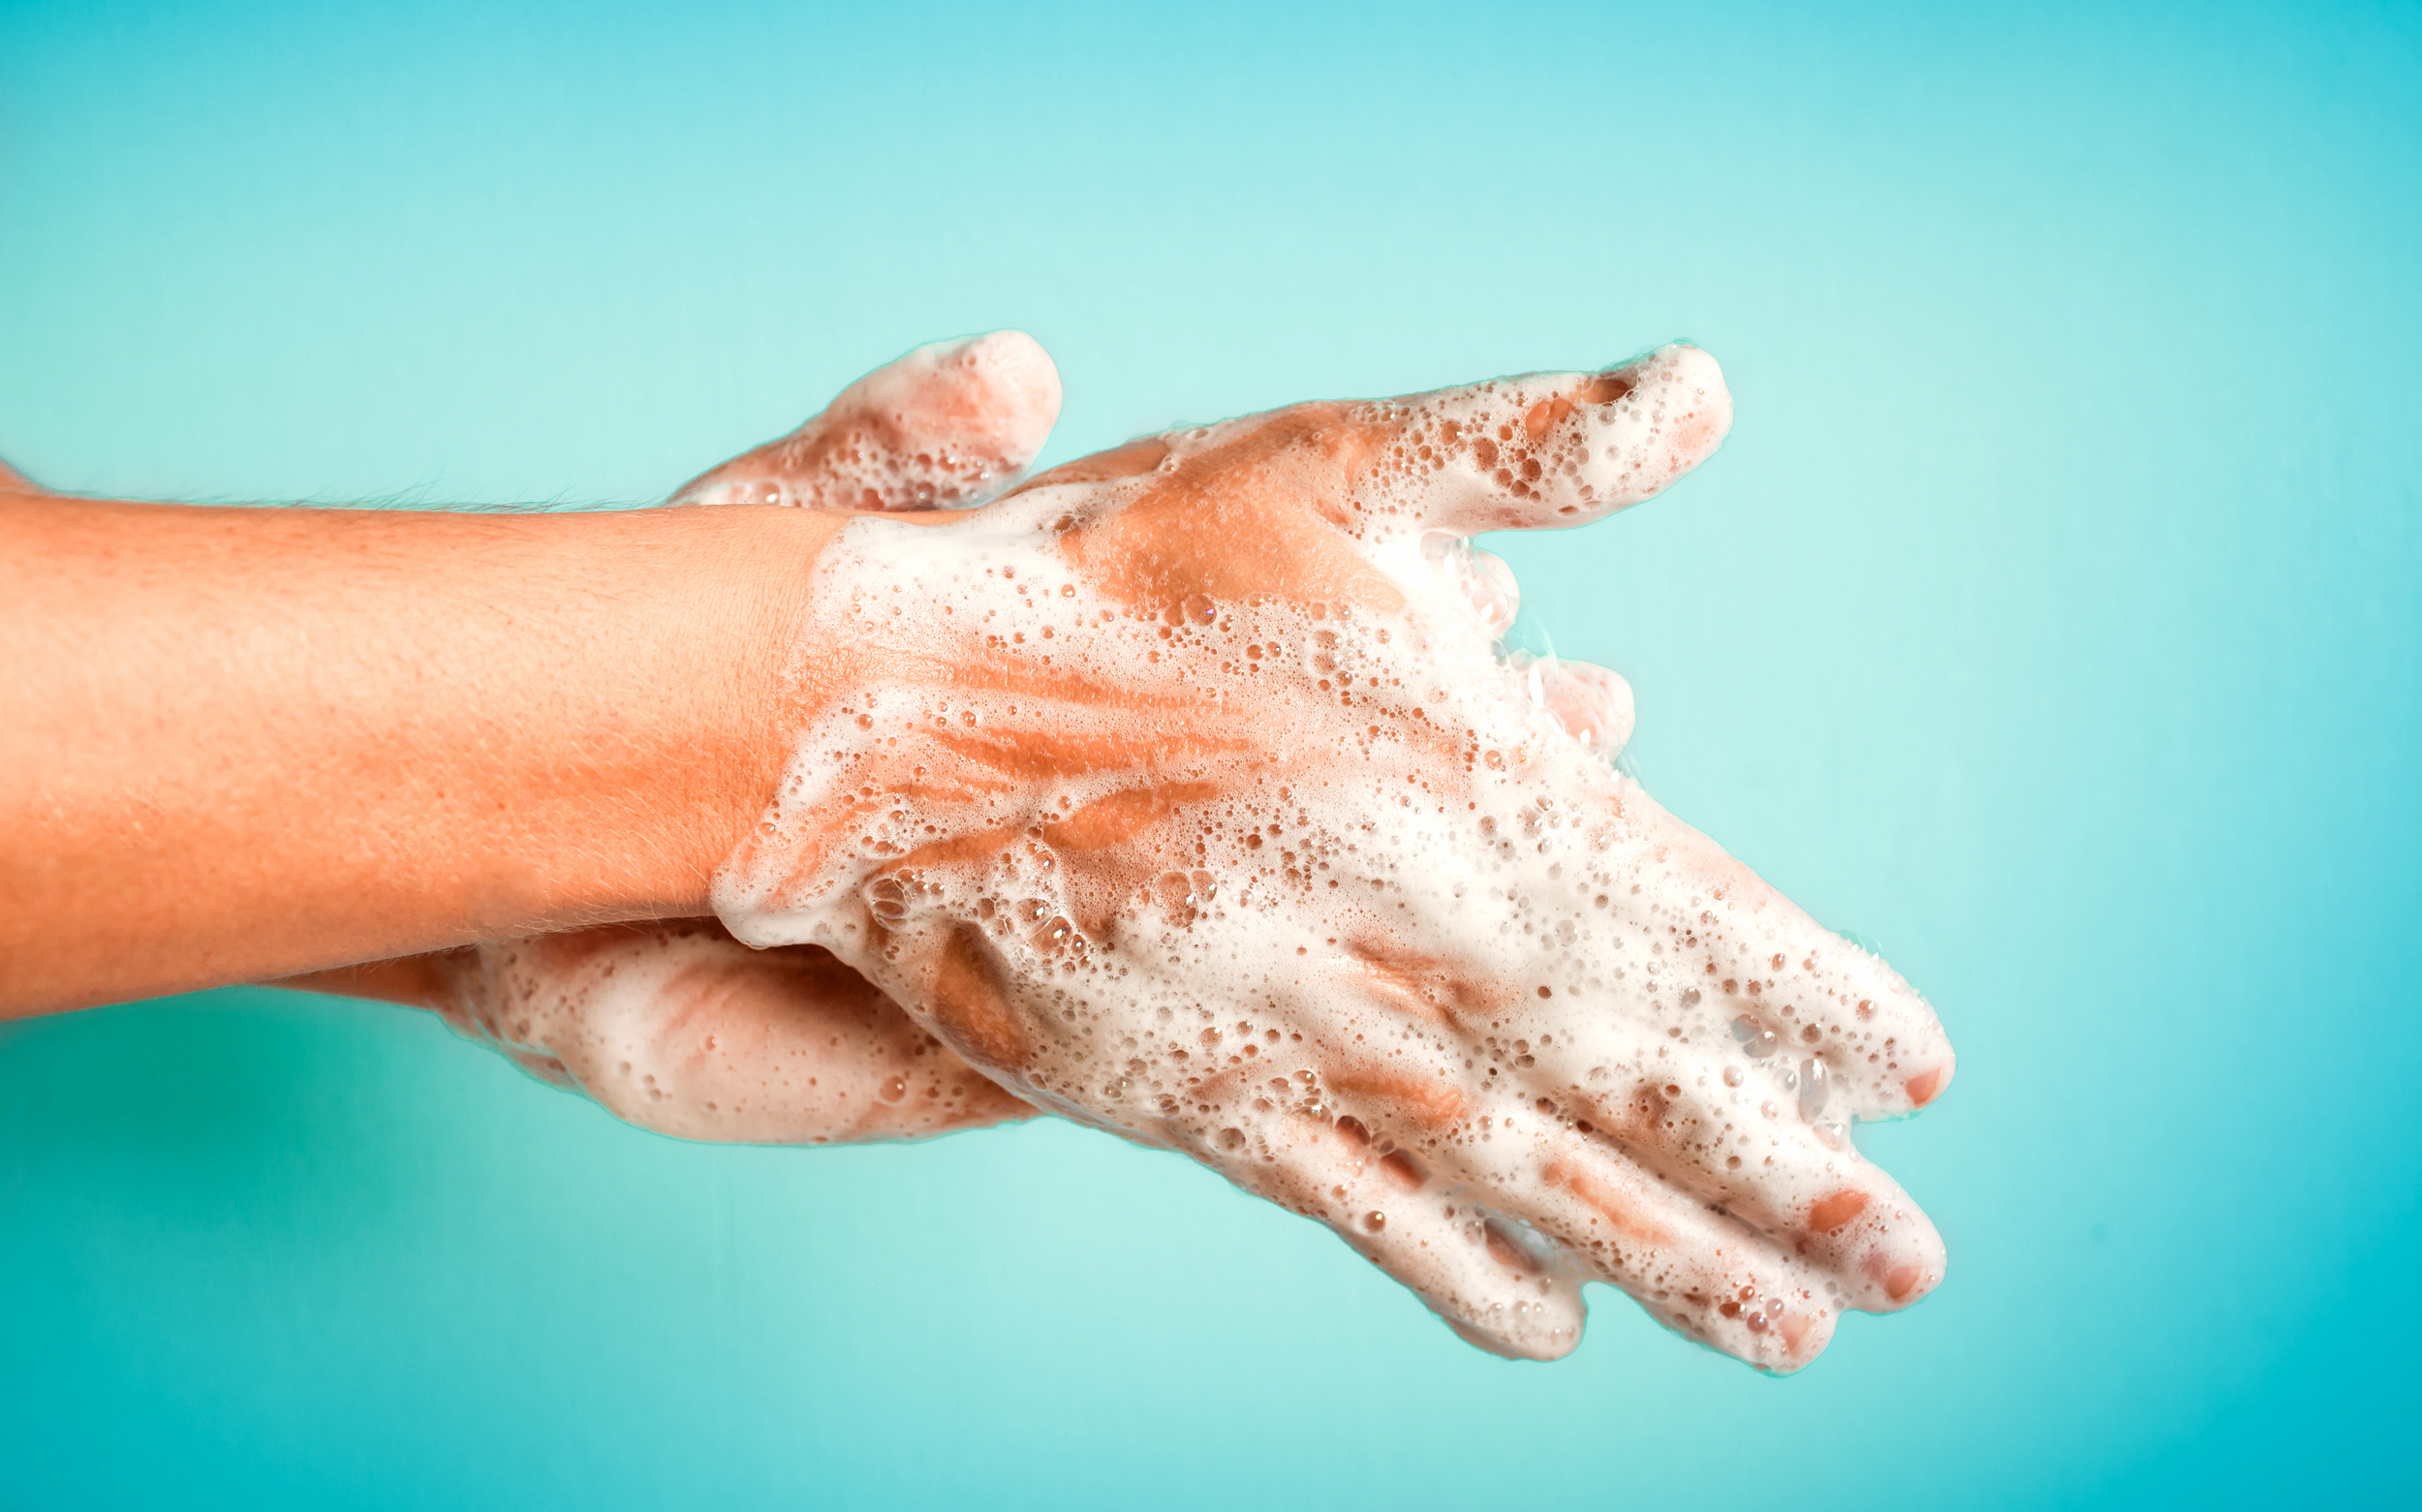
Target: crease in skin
1365, 869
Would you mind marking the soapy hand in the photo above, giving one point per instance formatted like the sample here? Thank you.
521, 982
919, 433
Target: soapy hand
676, 1026
679, 1029
1186, 792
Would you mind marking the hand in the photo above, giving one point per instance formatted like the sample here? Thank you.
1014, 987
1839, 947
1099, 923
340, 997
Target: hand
676, 1026
1183, 791
680, 1029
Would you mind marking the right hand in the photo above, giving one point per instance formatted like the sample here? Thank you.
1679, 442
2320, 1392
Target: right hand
1183, 791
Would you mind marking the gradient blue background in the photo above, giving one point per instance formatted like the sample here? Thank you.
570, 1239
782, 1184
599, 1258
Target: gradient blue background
2050, 619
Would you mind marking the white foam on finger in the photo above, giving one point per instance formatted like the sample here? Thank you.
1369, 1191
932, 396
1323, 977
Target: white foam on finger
1550, 449
945, 426
1431, 1238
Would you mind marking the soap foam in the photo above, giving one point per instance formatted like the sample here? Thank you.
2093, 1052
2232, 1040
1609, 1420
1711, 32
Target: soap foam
942, 428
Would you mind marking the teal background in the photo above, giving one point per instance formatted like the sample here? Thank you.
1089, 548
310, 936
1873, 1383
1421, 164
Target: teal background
2050, 619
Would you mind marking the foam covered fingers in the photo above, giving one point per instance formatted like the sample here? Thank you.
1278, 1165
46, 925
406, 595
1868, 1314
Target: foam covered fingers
1862, 1041
1549, 450
1692, 1268
1729, 1134
1592, 703
1491, 1290
945, 425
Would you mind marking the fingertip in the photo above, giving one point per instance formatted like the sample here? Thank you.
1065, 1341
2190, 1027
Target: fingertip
1805, 1334
1904, 1280
1701, 405
947, 425
1902, 1258
1540, 1348
1927, 1085
1552, 450
1023, 379
998, 391
1592, 703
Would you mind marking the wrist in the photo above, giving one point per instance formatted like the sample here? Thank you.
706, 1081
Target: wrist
718, 604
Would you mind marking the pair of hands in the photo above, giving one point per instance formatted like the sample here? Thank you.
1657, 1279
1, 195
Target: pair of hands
1182, 791
675, 1026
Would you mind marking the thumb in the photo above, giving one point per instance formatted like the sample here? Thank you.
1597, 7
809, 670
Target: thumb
948, 425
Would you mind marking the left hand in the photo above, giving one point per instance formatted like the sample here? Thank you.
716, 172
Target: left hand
676, 1026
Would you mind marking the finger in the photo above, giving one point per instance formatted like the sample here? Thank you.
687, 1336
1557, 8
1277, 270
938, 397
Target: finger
1705, 1273
1549, 449
1786, 984
1465, 1267
1738, 1139
1885, 1052
945, 425
1477, 581
1696, 1271
683, 1030
1592, 703
14, 481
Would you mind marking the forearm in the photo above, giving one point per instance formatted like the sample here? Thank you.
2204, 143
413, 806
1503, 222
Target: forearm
245, 743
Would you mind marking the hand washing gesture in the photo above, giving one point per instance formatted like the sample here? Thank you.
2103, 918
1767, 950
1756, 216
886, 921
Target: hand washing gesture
1184, 793
675, 1026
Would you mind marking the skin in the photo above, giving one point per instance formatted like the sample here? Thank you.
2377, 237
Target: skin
596, 711
246, 743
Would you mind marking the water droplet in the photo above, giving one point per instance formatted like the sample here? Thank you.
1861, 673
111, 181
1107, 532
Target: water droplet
1733, 1077
893, 1089
1374, 1221
1815, 1082
1199, 609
